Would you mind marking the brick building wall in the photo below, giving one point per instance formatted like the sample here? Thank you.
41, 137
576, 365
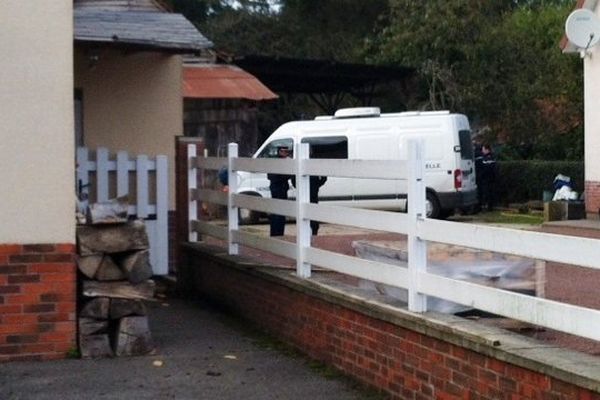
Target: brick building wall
592, 199
37, 301
407, 357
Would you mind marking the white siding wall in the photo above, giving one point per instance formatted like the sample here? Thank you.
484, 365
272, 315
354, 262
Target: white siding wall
36, 132
132, 101
592, 114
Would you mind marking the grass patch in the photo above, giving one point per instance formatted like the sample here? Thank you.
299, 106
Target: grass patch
506, 217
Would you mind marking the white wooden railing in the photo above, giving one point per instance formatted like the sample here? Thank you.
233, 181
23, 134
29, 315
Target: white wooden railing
416, 279
149, 190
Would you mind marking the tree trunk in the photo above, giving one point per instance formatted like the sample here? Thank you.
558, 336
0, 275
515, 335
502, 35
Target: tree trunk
108, 212
121, 290
96, 308
95, 346
136, 266
112, 238
88, 265
109, 271
90, 326
133, 337
120, 308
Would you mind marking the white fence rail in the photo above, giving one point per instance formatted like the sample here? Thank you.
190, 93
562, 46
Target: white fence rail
416, 279
144, 180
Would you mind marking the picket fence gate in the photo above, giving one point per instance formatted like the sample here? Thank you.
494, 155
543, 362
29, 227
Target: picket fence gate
100, 178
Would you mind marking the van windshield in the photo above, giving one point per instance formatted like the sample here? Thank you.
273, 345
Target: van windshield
270, 150
466, 147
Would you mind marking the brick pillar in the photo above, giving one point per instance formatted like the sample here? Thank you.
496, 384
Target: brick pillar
37, 301
592, 199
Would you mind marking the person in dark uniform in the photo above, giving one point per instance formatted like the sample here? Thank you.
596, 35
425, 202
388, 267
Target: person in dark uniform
478, 170
488, 174
279, 186
315, 184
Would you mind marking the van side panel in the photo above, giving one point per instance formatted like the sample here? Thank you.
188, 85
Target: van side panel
374, 146
386, 138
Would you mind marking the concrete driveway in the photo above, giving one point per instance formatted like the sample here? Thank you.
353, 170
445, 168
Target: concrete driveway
204, 355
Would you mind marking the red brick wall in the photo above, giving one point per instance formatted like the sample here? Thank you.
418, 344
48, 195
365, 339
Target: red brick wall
37, 301
401, 362
592, 199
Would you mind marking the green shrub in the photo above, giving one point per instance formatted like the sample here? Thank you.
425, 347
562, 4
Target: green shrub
520, 181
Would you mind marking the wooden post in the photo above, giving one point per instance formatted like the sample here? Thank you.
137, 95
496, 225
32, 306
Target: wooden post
192, 185
182, 196
303, 231
102, 174
142, 185
161, 266
122, 173
417, 248
233, 225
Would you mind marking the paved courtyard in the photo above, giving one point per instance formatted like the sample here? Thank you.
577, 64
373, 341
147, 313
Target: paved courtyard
201, 354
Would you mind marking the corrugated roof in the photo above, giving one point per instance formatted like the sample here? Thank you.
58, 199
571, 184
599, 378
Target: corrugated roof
158, 30
223, 82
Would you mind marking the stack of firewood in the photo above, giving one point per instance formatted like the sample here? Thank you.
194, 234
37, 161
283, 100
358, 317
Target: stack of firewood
115, 270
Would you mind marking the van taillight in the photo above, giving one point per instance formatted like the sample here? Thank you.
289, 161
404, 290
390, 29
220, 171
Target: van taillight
457, 179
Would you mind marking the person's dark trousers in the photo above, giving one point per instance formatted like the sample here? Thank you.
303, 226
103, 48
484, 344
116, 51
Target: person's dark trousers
314, 227
488, 195
277, 223
279, 187
314, 198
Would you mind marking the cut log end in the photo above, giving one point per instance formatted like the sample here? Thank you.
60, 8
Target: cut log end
133, 337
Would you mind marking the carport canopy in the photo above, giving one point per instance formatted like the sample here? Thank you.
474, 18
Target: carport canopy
325, 81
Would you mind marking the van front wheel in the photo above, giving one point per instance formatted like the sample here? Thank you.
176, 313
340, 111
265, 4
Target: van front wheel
432, 206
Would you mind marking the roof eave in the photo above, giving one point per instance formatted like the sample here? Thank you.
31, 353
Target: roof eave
174, 48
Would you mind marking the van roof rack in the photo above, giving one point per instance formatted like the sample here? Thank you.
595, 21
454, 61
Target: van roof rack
416, 113
357, 112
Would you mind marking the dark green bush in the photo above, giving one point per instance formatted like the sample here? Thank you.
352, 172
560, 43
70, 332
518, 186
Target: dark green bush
520, 181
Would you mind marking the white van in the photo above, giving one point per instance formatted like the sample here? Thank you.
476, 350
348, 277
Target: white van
365, 133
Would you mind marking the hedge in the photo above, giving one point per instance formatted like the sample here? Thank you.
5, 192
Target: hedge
520, 181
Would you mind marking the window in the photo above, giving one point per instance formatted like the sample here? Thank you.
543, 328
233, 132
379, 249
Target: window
466, 147
270, 150
327, 147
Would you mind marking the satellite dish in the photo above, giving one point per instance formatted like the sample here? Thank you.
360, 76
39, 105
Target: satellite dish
583, 28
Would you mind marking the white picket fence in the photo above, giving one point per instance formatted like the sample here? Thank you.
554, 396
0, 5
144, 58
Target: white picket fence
416, 279
111, 178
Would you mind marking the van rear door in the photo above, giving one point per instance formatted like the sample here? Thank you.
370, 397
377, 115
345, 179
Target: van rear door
467, 164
